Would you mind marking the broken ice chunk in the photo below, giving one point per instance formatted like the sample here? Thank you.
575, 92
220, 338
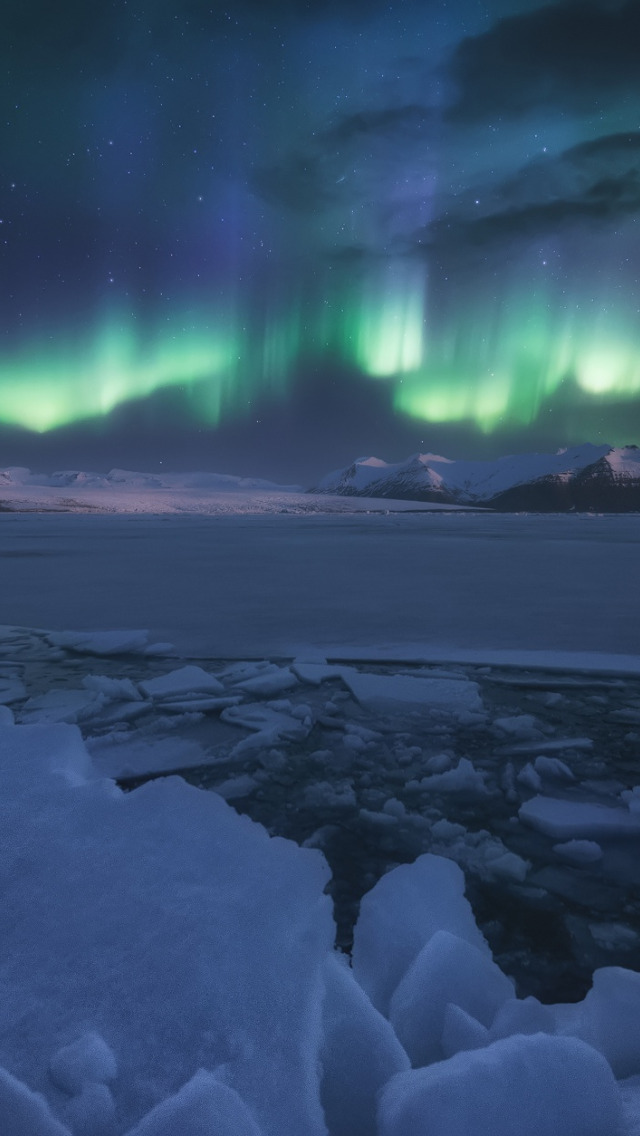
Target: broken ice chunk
236, 787
522, 1015
463, 778
567, 819
180, 682
553, 767
400, 914
529, 777
610, 1018
100, 642
461, 1031
271, 727
113, 689
579, 851
359, 1053
451, 696
614, 936
447, 969
523, 726
271, 682
61, 706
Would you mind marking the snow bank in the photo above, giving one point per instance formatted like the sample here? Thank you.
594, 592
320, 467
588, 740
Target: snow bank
532, 1086
177, 931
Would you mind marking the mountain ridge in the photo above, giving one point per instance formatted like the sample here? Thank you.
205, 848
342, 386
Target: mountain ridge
600, 478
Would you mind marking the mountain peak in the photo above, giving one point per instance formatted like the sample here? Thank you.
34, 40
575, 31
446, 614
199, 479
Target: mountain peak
587, 477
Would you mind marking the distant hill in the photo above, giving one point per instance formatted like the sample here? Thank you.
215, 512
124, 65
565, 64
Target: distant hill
583, 478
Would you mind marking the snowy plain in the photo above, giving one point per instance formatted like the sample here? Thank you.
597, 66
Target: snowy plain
420, 704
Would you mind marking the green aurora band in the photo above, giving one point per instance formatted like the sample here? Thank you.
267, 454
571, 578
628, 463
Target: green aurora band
494, 367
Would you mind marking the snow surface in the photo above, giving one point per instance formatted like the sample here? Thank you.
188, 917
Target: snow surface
497, 1091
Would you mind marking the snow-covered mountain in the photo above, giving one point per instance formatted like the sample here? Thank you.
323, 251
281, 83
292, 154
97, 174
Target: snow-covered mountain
584, 477
129, 479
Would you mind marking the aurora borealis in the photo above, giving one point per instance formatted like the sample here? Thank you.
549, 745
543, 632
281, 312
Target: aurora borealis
274, 235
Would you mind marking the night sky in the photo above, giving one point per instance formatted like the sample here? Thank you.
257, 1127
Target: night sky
268, 237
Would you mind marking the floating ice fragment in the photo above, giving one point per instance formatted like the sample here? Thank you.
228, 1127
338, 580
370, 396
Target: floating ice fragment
439, 763
180, 682
61, 706
554, 768
450, 696
614, 936
271, 727
631, 797
529, 777
463, 778
552, 745
113, 689
519, 726
272, 682
235, 787
565, 820
100, 642
579, 851
315, 673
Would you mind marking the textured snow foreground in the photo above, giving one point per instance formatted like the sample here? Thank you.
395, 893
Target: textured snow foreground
168, 968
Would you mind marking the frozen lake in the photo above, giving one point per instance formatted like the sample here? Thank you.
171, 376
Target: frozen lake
397, 585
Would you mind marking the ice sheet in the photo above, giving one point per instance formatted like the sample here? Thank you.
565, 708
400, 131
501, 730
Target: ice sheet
411, 586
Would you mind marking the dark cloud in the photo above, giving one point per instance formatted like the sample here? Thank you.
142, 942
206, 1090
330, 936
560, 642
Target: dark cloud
396, 122
314, 175
573, 174
594, 182
609, 199
570, 55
